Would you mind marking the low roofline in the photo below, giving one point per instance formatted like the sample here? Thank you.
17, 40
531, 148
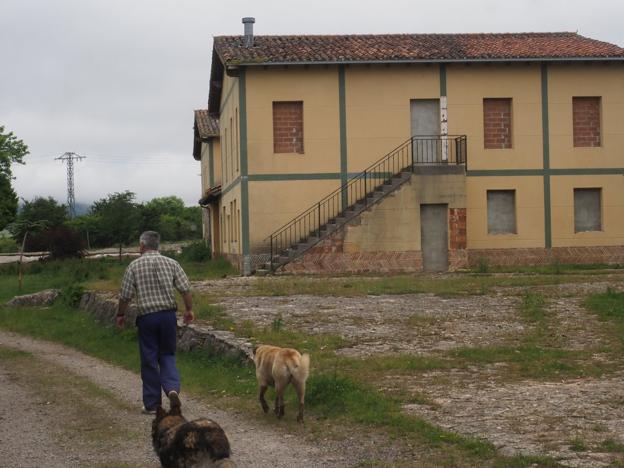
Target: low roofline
384, 62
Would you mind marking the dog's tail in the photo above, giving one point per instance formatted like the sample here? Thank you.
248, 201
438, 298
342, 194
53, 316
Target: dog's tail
302, 370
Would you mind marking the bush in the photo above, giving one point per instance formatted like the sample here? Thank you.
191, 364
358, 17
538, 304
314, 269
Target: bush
71, 295
61, 242
195, 252
8, 245
65, 243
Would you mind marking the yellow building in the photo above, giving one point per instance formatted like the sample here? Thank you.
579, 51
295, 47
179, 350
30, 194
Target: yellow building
412, 152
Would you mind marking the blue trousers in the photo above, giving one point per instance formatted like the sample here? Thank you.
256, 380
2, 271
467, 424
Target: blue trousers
157, 345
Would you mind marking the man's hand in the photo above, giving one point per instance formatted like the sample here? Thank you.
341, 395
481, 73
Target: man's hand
120, 321
189, 316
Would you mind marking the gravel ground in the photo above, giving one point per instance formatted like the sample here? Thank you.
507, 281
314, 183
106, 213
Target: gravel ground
528, 417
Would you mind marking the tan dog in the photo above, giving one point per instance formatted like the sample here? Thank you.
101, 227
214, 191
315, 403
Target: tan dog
278, 367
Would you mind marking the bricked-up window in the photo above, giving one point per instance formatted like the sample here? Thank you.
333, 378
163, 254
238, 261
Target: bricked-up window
587, 209
501, 211
586, 121
497, 123
288, 127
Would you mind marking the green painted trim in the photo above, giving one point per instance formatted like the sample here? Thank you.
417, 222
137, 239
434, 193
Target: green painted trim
227, 96
546, 157
342, 106
505, 172
210, 164
547, 172
242, 114
587, 171
442, 79
547, 214
234, 183
280, 177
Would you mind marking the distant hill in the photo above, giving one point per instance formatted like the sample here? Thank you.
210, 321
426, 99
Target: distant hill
82, 208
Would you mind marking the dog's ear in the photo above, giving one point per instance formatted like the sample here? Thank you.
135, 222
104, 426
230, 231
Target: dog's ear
160, 412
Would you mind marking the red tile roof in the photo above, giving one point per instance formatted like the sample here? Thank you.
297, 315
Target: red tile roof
207, 126
412, 48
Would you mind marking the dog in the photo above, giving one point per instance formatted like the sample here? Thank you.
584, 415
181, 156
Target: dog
278, 367
184, 444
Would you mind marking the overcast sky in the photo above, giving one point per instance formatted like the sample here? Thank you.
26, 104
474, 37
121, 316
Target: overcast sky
117, 81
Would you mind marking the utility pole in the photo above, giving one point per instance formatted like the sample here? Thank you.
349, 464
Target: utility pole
71, 201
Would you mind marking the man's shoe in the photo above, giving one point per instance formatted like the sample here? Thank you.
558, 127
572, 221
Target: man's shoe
144, 410
174, 399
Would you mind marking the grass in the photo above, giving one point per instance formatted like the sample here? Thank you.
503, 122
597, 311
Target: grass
330, 396
103, 274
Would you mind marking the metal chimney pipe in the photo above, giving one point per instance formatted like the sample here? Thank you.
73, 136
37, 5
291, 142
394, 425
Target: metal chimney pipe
249, 38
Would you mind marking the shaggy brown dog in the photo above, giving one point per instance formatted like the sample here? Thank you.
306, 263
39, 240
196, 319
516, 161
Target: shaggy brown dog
278, 367
183, 444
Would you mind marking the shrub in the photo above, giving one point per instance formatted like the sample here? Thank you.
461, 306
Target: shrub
65, 243
482, 265
8, 245
71, 295
195, 252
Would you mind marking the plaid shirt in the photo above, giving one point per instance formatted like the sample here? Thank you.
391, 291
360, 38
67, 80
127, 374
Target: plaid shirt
152, 278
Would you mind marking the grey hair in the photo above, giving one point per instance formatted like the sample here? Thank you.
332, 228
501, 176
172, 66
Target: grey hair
150, 239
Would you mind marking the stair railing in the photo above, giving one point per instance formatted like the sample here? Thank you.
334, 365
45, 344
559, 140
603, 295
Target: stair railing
416, 151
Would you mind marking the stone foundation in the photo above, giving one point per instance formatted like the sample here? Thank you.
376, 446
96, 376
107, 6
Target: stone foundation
609, 255
356, 262
329, 258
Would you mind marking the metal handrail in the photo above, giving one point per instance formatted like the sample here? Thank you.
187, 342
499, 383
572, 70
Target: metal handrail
416, 151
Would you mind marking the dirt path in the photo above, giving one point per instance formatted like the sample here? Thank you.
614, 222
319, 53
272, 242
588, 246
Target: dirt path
37, 432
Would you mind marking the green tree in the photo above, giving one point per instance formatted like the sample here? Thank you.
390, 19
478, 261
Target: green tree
41, 209
118, 218
171, 218
12, 151
86, 224
8, 202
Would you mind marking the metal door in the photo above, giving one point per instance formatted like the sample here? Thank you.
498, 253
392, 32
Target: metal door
434, 236
425, 125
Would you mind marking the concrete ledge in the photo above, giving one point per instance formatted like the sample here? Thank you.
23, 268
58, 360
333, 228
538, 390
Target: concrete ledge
39, 299
103, 306
440, 169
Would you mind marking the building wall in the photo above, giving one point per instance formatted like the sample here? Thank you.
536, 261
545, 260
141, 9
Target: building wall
378, 108
565, 82
394, 224
467, 86
318, 89
612, 215
229, 167
355, 115
210, 150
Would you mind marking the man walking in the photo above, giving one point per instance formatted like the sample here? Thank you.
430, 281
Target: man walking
151, 279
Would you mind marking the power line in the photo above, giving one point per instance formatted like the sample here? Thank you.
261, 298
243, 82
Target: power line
70, 158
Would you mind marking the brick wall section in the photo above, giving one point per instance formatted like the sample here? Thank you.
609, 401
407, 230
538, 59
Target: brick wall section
497, 123
586, 121
288, 127
328, 263
356, 263
457, 228
609, 255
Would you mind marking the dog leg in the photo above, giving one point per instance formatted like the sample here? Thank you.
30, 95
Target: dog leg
279, 399
263, 403
300, 389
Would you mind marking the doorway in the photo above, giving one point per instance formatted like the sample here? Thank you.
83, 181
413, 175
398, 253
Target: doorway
434, 236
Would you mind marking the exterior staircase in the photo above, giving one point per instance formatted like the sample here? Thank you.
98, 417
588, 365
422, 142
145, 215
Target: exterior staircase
359, 193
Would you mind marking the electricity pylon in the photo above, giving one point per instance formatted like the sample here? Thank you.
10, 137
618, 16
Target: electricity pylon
71, 201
